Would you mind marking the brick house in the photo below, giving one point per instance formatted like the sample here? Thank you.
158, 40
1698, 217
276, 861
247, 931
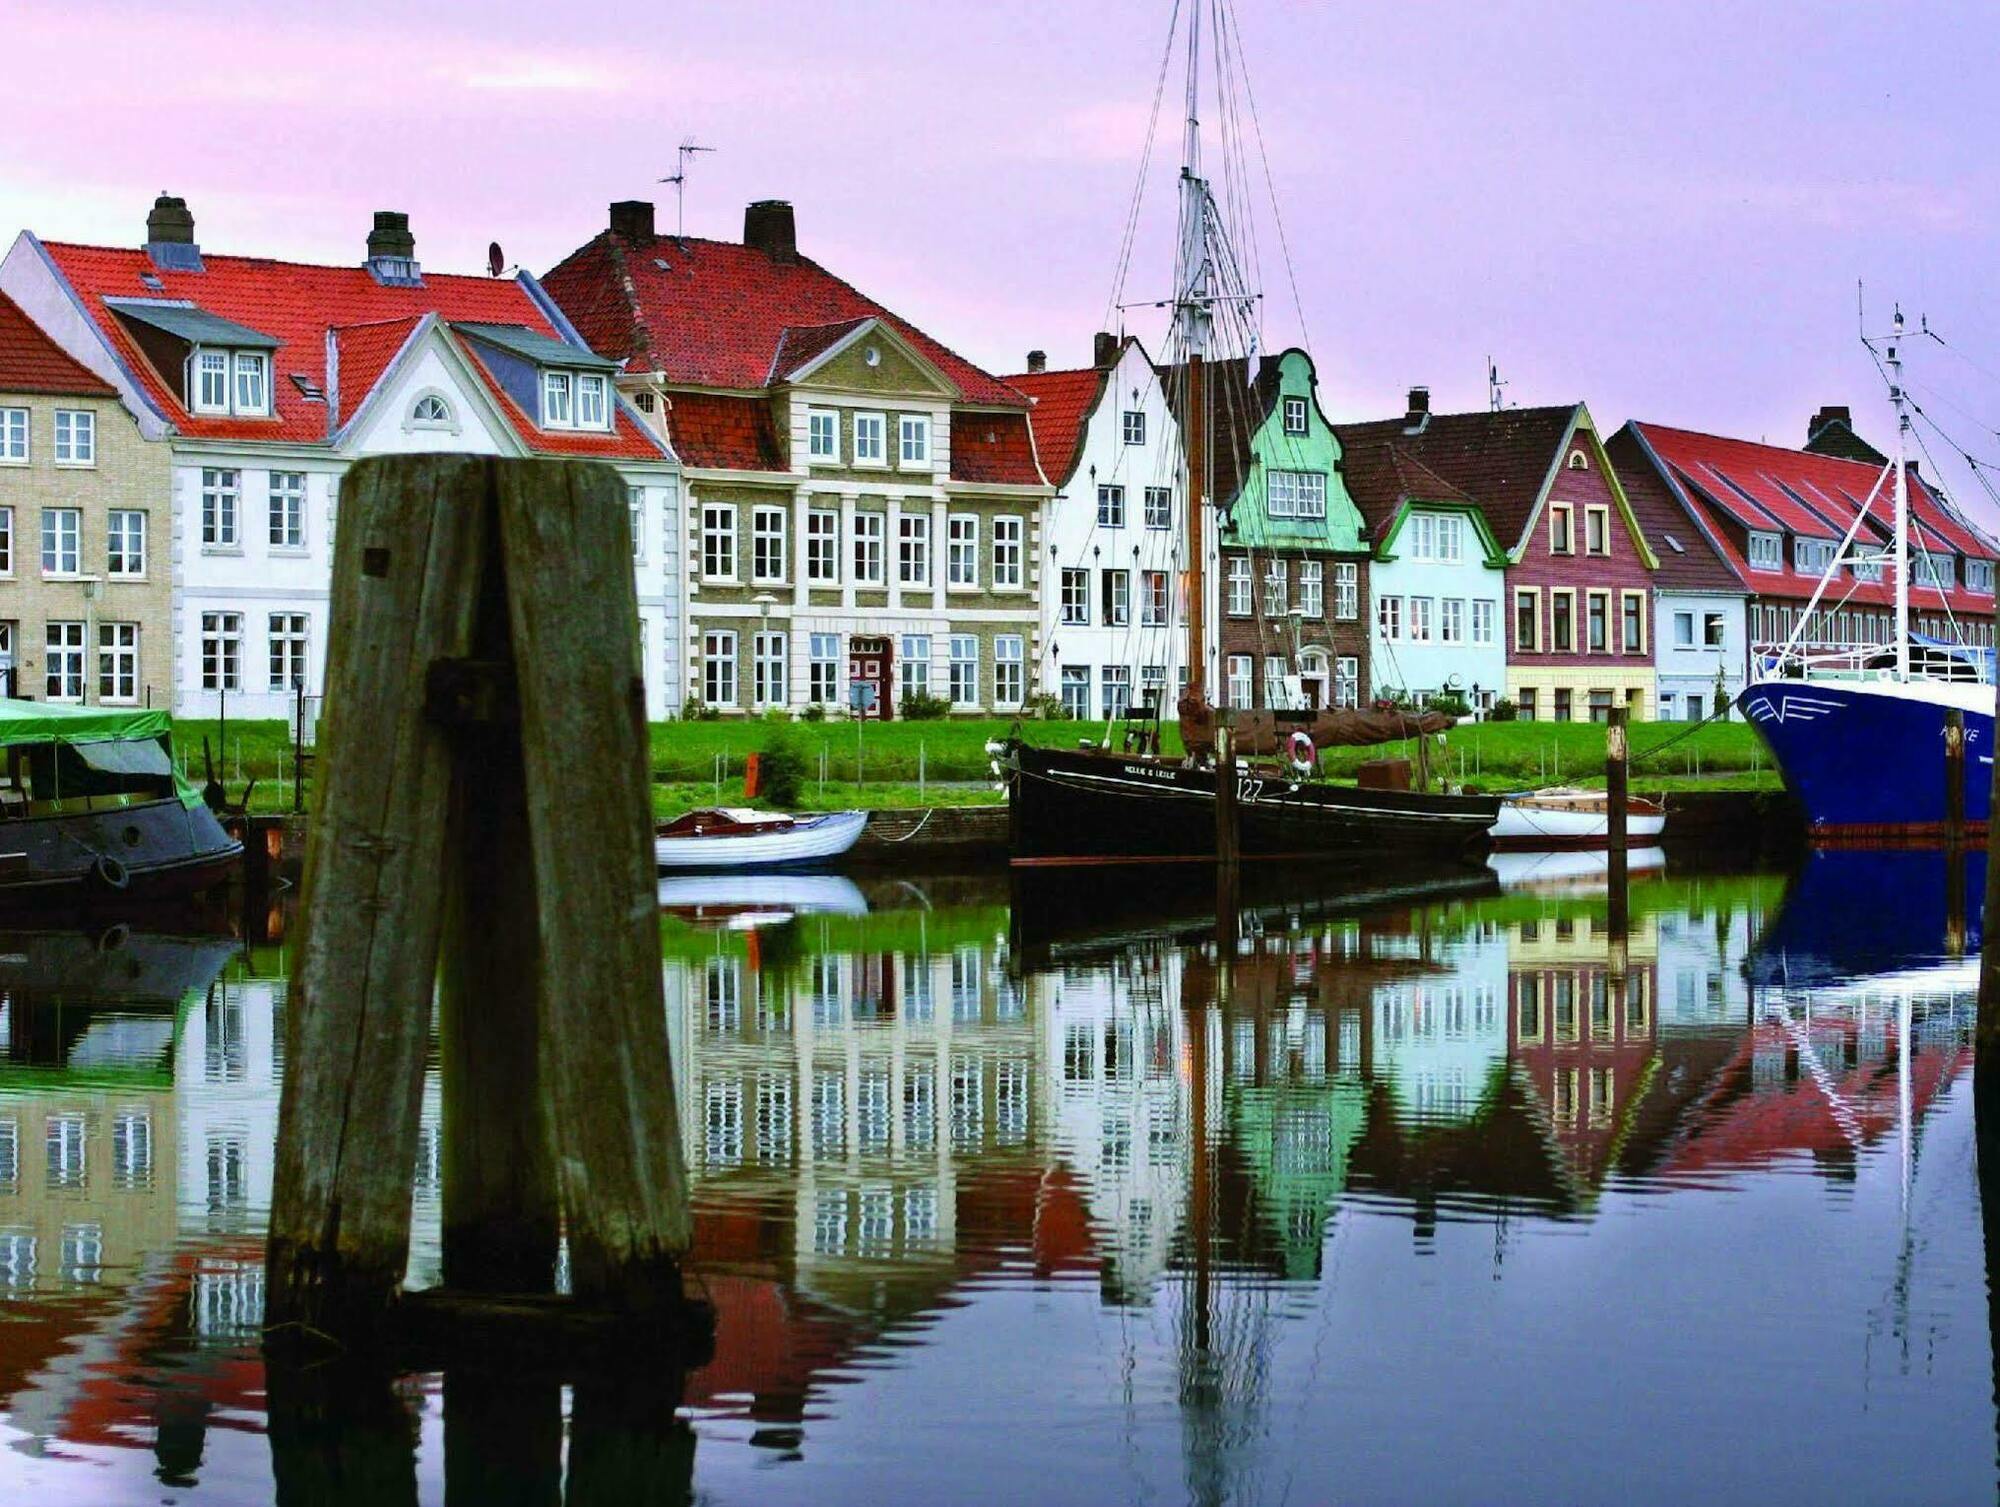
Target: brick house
1293, 566
847, 475
1579, 571
85, 597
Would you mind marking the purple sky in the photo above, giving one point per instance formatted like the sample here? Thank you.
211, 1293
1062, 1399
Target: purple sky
1662, 209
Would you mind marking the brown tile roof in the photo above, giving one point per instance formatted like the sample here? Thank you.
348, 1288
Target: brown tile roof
1502, 460
1688, 560
993, 447
1381, 477
1064, 402
31, 362
717, 431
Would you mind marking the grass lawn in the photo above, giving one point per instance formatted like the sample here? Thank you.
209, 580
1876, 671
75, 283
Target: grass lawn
689, 757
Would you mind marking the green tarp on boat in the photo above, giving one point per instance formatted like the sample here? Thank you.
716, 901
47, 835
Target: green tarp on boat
55, 722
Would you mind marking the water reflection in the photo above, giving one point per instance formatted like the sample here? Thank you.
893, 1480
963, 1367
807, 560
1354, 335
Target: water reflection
1094, 1207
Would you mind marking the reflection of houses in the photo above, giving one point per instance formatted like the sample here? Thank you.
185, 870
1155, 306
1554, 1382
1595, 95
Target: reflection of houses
226, 1078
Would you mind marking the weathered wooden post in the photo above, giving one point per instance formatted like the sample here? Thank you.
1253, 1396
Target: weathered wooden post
1227, 834
487, 730
1954, 776
1616, 751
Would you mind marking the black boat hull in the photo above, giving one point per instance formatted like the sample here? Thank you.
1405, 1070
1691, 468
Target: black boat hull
1089, 807
147, 850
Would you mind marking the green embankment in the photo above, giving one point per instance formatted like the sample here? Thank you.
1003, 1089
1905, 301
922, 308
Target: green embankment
688, 758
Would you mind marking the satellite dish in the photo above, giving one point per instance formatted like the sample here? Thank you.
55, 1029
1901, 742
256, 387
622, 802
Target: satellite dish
495, 262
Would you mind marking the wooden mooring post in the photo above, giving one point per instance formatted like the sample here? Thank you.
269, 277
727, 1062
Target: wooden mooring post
484, 831
1228, 843
1617, 760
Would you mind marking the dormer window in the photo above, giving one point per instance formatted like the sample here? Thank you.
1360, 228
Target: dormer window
237, 382
590, 405
211, 382
1764, 552
575, 400
253, 387
556, 409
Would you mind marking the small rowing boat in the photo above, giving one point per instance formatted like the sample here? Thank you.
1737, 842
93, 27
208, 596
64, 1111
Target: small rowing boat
1568, 818
735, 837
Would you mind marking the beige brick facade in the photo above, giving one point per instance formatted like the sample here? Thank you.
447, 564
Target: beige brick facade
1543, 690
77, 629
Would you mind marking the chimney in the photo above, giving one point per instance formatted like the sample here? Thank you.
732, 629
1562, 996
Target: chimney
392, 251
170, 236
1038, 361
768, 225
1830, 413
1104, 350
1418, 413
632, 220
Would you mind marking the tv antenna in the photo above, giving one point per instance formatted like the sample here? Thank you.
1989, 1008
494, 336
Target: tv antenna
1494, 401
679, 180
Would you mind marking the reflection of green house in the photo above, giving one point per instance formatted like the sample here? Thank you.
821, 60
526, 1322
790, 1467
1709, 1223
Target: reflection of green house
1294, 1140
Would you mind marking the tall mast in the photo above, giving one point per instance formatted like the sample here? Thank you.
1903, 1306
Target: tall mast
1897, 398
1191, 314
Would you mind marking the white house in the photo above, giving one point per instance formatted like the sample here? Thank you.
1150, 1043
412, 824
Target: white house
268, 379
1114, 609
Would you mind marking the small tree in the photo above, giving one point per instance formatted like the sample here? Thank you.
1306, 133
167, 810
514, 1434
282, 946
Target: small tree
1721, 697
781, 769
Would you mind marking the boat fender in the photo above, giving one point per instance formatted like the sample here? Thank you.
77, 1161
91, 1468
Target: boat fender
109, 873
1304, 755
114, 938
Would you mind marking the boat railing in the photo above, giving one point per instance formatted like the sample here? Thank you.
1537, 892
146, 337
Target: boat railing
1862, 662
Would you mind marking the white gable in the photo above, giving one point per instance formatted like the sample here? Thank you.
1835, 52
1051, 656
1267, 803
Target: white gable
389, 424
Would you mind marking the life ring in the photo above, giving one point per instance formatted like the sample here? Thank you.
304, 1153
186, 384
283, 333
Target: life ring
1304, 755
108, 873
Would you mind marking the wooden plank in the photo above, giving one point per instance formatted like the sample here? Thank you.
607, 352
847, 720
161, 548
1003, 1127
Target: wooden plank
405, 585
573, 610
499, 1204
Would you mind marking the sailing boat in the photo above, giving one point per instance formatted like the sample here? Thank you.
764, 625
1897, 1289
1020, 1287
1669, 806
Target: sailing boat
1093, 804
1860, 733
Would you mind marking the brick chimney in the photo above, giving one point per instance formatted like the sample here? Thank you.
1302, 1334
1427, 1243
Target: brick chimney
170, 235
769, 226
632, 220
1104, 350
1830, 413
392, 250
1038, 361
1418, 413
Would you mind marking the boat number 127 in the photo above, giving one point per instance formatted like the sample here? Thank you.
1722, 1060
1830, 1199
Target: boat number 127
1249, 790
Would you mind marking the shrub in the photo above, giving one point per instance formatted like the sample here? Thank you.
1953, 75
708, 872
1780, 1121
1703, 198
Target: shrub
1502, 710
781, 770
917, 707
814, 712
694, 709
1048, 708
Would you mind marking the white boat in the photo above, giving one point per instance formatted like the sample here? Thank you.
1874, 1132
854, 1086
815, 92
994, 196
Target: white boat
744, 902
1569, 818
1574, 871
735, 837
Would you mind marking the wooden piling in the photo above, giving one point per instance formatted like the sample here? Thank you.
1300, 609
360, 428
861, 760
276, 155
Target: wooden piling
1986, 1030
1616, 796
1954, 776
1227, 833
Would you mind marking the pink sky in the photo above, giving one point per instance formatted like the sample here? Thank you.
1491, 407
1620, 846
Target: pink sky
1661, 209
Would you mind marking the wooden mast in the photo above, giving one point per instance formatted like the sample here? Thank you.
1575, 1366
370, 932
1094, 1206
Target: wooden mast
1197, 457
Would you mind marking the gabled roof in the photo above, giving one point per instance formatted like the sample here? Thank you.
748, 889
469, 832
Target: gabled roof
718, 431
995, 448
718, 314
1689, 560
1501, 459
294, 307
1768, 488
801, 345
31, 362
1381, 476
1064, 402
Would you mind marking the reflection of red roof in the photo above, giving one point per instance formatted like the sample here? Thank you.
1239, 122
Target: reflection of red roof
31, 362
716, 313
296, 304
1771, 489
1064, 402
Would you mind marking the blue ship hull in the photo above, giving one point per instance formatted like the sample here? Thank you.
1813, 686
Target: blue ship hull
1869, 760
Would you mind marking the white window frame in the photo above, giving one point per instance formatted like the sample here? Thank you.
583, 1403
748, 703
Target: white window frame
962, 552
1116, 590
1073, 600
1009, 544
286, 504
443, 418
1389, 619
915, 654
1293, 415
1346, 681
1073, 690
718, 667
1238, 682
767, 543
1346, 590
222, 651
221, 508
718, 526
822, 547
6, 541
1277, 587
823, 669
1114, 691
1596, 529
593, 402
1110, 505
1132, 426
249, 383
62, 541
15, 449
871, 443
1295, 494
1765, 551
1422, 620
870, 549
770, 669
1684, 630
1239, 599
558, 399
823, 435
913, 550
76, 438
1451, 620
1277, 669
635, 513
1484, 615
205, 366
1312, 588
963, 676
288, 650
1159, 503
117, 663
913, 440
1010, 662
125, 544
63, 672
1155, 599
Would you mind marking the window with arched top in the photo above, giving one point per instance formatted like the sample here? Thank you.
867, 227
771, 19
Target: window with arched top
1578, 461
430, 412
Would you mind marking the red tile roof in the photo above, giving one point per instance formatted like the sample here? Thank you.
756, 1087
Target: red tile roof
715, 313
995, 448
363, 352
1064, 402
1765, 487
296, 304
800, 345
1501, 459
1381, 477
1689, 561
31, 362
724, 432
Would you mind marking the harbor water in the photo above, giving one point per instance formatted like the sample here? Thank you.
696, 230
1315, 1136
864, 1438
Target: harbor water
1428, 1190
